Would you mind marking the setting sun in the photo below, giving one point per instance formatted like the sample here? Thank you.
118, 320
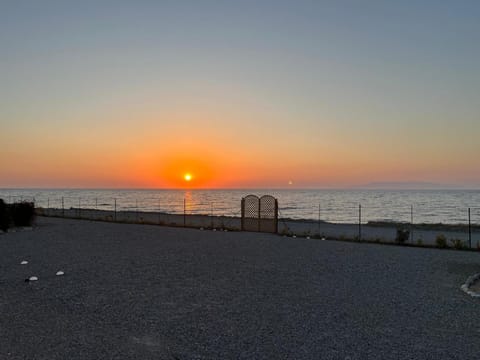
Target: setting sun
187, 177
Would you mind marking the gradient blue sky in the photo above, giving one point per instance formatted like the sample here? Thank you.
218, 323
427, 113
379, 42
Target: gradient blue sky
245, 93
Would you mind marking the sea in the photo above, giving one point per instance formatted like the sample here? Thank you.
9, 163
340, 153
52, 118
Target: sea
338, 206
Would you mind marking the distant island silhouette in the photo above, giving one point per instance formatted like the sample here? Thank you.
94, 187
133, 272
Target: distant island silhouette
409, 185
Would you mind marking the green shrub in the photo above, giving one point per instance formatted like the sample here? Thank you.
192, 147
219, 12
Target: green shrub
4, 216
441, 241
458, 244
22, 213
402, 236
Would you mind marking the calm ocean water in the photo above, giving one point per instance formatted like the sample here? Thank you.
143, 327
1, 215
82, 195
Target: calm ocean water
429, 206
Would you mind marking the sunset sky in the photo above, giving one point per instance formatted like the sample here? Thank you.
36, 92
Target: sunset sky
115, 94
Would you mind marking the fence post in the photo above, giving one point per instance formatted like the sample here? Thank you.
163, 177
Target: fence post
242, 224
276, 216
259, 215
319, 217
63, 207
96, 204
411, 223
211, 215
184, 212
79, 214
159, 220
136, 210
359, 222
48, 206
469, 230
115, 210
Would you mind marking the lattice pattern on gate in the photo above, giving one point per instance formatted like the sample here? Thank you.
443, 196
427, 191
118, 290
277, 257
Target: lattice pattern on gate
251, 213
260, 214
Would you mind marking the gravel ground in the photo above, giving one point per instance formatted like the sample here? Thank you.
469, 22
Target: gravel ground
150, 292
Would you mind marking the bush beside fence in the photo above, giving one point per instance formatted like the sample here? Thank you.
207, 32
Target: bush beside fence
16, 214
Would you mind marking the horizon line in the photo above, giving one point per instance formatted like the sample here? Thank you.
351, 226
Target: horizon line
357, 187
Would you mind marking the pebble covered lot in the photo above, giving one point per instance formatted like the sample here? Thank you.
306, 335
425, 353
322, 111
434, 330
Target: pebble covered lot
151, 292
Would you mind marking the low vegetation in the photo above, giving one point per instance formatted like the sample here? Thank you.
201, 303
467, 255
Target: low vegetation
402, 236
441, 241
458, 244
17, 214
4, 216
425, 226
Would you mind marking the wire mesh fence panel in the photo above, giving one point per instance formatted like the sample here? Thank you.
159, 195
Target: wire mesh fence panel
329, 216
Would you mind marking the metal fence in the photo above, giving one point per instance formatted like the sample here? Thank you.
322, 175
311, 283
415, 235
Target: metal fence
408, 225
354, 222
145, 211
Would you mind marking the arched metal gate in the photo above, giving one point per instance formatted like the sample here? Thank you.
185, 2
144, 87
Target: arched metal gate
260, 214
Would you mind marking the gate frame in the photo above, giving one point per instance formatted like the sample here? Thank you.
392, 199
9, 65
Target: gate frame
259, 214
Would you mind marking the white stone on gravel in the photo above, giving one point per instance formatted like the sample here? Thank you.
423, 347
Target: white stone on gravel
60, 273
24, 262
32, 278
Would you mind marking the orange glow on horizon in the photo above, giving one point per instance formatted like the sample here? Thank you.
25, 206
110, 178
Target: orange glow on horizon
212, 156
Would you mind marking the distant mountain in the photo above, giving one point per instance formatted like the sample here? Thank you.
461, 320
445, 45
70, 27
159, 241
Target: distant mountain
408, 185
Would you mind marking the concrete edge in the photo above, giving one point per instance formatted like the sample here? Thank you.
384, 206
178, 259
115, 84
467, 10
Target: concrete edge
468, 283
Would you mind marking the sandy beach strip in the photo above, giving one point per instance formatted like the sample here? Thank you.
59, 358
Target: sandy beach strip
154, 292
